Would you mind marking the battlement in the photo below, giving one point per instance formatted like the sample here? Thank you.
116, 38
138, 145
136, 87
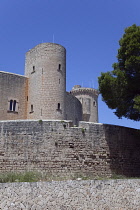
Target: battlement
77, 89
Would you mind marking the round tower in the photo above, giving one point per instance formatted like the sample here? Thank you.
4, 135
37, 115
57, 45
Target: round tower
45, 66
89, 100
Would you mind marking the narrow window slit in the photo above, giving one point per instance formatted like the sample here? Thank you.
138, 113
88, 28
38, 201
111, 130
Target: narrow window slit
59, 66
32, 108
14, 105
11, 105
58, 107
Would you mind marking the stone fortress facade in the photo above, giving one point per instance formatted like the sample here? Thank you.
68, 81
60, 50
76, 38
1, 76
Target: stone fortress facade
49, 143
41, 93
37, 117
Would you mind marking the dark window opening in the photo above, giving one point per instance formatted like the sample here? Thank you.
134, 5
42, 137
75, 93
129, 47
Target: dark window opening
59, 81
14, 105
32, 108
59, 67
27, 98
94, 103
58, 107
11, 105
33, 70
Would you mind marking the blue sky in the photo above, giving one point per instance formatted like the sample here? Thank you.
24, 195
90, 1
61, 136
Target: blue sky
88, 29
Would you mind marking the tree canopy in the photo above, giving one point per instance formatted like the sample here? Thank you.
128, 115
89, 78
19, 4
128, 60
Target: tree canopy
120, 88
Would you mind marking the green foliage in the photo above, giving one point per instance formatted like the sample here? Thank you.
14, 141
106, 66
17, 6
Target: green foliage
83, 130
120, 88
40, 122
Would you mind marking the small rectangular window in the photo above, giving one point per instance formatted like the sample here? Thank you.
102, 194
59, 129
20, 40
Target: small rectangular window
11, 105
94, 103
14, 105
33, 71
59, 67
58, 107
32, 109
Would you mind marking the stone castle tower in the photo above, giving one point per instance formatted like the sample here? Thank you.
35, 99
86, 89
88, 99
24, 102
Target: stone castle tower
45, 66
89, 100
41, 93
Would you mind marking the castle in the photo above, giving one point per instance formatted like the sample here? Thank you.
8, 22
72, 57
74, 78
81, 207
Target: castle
41, 93
37, 117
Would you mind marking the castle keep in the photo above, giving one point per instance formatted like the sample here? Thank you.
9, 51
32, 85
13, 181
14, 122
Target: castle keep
41, 93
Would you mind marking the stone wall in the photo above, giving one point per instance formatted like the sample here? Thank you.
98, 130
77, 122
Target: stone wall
68, 195
73, 109
55, 147
13, 87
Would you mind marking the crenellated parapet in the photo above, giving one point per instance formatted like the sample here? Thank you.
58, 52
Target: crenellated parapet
83, 90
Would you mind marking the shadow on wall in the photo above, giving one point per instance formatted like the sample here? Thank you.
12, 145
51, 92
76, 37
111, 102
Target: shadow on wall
124, 150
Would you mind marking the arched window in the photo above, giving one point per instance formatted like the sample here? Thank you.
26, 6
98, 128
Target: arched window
13, 105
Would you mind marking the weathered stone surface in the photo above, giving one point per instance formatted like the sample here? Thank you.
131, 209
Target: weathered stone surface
77, 195
56, 148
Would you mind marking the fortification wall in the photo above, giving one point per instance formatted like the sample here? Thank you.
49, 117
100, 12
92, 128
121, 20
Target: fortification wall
111, 194
13, 87
73, 109
56, 148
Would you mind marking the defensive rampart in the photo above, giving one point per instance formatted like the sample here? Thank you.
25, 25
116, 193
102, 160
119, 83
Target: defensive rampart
57, 148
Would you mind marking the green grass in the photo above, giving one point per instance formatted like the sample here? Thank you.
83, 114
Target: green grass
31, 176
19, 177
